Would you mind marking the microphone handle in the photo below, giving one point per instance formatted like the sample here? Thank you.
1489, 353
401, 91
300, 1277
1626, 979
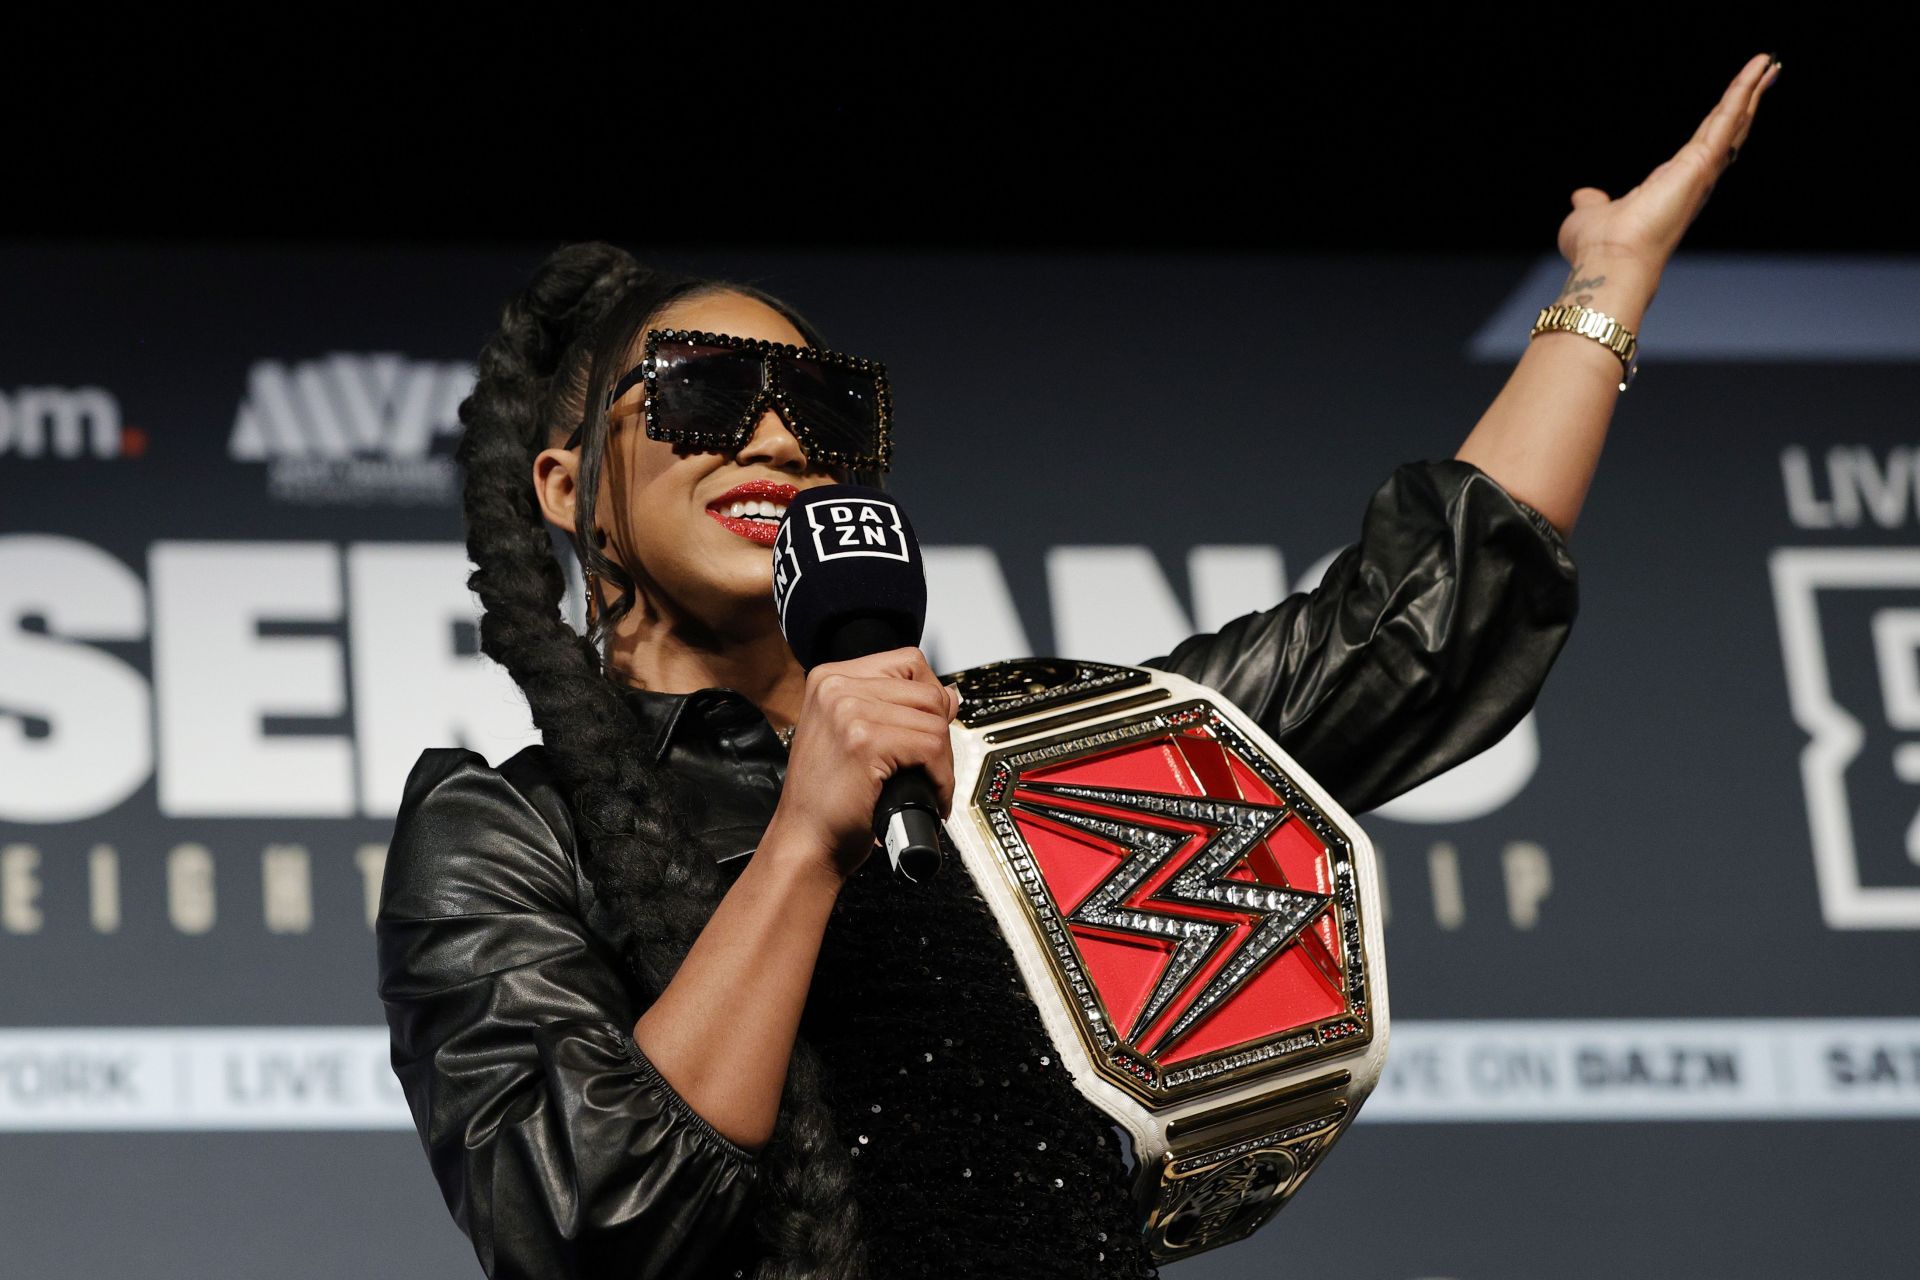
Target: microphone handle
906, 819
907, 822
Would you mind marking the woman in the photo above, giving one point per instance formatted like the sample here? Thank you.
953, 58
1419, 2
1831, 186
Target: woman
653, 1009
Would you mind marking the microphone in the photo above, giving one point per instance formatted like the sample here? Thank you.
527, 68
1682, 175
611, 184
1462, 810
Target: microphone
848, 581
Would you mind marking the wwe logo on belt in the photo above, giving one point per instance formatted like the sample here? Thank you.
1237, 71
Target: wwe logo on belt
1200, 910
1201, 881
1855, 690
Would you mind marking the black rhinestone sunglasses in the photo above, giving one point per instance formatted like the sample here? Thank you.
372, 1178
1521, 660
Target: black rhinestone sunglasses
707, 390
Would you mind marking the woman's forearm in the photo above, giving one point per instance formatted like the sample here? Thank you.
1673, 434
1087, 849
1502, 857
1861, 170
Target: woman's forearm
1541, 436
722, 1032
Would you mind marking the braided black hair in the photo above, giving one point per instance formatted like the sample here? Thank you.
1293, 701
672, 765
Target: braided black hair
562, 341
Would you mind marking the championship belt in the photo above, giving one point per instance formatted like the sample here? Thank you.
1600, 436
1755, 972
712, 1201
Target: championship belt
1195, 917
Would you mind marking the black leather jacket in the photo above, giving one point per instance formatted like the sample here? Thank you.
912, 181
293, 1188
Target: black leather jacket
561, 1151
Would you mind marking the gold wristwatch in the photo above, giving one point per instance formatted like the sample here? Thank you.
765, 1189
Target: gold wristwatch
1601, 327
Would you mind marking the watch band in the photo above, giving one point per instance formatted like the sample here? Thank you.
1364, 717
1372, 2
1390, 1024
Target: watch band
1568, 317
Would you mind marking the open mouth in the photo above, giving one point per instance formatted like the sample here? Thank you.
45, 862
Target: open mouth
754, 509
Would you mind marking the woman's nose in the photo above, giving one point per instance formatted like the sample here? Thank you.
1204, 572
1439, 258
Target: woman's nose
773, 441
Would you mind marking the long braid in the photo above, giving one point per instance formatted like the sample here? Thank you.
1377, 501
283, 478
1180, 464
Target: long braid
548, 360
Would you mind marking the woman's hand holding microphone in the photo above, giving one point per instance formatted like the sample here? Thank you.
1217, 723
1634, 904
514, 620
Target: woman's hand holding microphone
723, 1029
860, 721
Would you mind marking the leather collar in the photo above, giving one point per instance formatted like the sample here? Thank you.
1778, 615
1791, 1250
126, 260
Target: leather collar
712, 713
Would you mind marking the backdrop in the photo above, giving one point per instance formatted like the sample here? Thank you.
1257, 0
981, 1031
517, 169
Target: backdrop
1652, 956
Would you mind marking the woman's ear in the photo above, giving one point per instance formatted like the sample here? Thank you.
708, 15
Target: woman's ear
555, 472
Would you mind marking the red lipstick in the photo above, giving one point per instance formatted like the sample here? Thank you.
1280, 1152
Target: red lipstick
761, 530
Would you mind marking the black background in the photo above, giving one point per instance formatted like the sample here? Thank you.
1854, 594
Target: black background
1146, 129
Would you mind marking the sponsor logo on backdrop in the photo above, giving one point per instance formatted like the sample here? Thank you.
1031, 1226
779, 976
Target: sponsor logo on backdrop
354, 428
1849, 619
66, 423
1651, 1069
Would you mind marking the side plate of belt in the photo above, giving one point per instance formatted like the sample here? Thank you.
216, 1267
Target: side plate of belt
1196, 918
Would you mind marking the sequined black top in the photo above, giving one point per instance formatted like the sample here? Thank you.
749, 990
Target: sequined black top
561, 1151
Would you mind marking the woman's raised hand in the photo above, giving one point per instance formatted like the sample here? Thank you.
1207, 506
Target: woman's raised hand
860, 722
1646, 223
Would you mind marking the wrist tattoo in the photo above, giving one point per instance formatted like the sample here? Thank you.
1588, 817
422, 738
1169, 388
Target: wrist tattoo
1575, 283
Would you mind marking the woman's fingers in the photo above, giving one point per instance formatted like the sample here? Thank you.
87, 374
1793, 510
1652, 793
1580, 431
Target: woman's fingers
908, 661
1721, 134
903, 735
1753, 104
862, 721
1716, 131
871, 709
932, 699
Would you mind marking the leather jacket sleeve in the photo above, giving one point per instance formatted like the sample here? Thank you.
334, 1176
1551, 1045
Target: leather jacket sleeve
558, 1147
1424, 644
